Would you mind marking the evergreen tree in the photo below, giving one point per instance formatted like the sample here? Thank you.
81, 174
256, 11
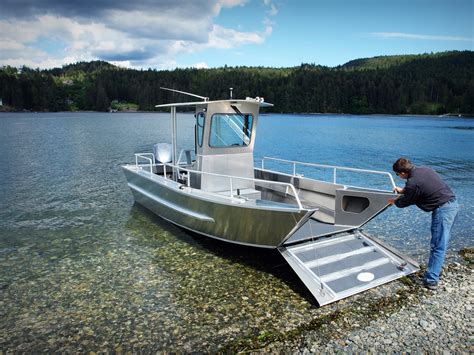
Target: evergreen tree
425, 84
102, 103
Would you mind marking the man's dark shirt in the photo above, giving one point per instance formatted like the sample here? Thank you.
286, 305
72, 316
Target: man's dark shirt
425, 189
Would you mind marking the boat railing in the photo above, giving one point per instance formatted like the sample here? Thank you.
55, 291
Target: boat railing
333, 167
145, 156
231, 178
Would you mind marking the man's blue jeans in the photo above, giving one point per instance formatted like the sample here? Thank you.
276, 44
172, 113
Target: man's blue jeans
442, 220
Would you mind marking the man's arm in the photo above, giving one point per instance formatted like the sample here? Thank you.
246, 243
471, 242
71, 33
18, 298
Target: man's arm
398, 190
409, 197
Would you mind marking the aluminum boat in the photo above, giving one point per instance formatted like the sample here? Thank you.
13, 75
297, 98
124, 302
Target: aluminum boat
216, 190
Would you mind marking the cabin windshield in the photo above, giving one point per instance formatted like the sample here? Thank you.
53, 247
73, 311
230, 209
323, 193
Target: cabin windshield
230, 130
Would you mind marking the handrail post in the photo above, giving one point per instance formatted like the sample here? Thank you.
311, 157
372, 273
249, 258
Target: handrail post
392, 181
143, 156
334, 175
294, 169
164, 170
300, 206
231, 188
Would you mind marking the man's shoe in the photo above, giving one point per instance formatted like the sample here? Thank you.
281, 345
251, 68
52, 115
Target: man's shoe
431, 286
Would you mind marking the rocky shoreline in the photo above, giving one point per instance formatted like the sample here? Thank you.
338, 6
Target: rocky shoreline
402, 316
280, 316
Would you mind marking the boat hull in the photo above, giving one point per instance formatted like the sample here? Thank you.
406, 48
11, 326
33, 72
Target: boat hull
257, 225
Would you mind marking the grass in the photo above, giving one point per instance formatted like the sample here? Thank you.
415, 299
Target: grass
124, 106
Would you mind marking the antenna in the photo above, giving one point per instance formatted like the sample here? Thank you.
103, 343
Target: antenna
186, 93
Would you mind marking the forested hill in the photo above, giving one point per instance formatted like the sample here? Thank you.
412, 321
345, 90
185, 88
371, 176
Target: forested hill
418, 84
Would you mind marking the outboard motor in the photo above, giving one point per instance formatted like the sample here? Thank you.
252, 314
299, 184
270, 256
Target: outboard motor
163, 154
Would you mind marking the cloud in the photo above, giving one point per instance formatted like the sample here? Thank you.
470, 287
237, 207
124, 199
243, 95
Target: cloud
97, 9
15, 49
400, 35
201, 65
272, 8
134, 55
226, 38
227, 4
143, 33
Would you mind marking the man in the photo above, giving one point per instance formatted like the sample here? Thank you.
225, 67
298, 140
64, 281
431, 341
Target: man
425, 189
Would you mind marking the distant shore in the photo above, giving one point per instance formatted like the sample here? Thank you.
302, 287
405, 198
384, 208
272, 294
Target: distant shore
456, 115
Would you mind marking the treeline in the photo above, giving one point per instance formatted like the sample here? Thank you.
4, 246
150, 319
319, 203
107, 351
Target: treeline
417, 84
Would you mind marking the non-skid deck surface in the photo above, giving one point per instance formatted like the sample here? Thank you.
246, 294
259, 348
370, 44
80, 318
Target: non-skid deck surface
340, 266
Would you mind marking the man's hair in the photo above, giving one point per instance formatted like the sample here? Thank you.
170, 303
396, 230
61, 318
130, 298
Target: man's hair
402, 165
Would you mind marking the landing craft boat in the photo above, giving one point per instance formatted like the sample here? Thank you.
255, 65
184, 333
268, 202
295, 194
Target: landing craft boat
216, 190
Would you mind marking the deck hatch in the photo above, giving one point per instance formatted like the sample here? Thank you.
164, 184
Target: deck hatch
340, 266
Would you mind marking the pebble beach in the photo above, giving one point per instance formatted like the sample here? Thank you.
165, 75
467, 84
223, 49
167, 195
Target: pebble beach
410, 319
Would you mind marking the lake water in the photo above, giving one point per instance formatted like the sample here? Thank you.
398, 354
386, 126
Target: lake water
84, 268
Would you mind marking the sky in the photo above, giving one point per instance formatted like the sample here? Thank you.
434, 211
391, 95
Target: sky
169, 34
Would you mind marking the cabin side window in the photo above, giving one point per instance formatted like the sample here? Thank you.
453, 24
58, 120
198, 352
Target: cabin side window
200, 128
230, 130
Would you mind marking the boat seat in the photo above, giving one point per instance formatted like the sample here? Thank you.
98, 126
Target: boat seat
323, 214
324, 217
187, 155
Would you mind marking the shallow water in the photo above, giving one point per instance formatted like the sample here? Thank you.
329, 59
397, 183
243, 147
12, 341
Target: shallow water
83, 267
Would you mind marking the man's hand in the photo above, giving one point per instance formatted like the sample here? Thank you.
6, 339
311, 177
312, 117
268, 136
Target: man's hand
398, 190
391, 201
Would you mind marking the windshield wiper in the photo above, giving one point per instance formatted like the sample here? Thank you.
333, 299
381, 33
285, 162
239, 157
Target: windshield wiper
237, 111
